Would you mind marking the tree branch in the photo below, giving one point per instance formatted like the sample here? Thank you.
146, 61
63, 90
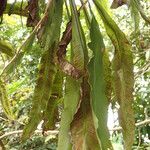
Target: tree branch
139, 124
52, 132
55, 132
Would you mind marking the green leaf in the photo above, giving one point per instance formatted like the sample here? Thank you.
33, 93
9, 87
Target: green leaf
44, 31
123, 75
105, 3
43, 88
86, 14
71, 100
6, 48
42, 94
98, 85
80, 56
135, 14
51, 114
5, 101
50, 28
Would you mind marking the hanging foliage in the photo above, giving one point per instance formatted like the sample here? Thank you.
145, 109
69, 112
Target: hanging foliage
83, 82
83, 134
47, 72
98, 85
123, 75
67, 67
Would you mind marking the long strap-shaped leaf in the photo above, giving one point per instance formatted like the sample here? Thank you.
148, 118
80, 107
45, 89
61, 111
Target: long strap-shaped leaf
47, 73
135, 14
123, 75
83, 132
82, 127
51, 112
44, 33
50, 28
42, 93
71, 100
98, 85
5, 101
78, 43
79, 59
72, 92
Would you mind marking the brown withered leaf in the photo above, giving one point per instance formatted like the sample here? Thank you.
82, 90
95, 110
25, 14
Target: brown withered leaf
33, 17
66, 66
3, 4
83, 132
